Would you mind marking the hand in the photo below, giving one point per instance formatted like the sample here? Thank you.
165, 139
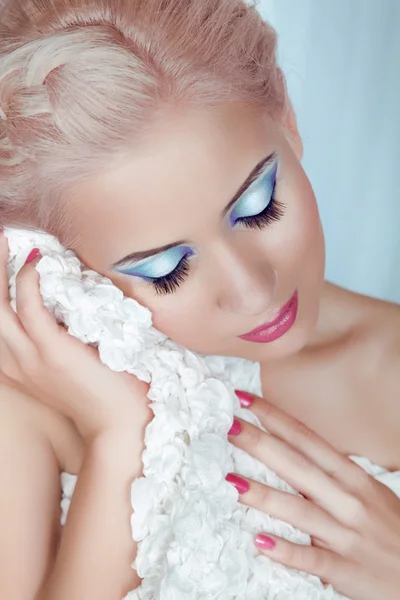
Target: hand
40, 358
353, 520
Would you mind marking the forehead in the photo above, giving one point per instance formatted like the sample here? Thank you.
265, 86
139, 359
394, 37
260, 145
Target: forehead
172, 187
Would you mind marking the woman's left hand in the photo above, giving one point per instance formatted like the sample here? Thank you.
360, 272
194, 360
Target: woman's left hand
353, 520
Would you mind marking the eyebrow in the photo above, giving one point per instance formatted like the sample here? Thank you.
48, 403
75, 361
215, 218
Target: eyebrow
253, 176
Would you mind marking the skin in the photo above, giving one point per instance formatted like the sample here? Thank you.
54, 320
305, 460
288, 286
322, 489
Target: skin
353, 520
336, 370
241, 277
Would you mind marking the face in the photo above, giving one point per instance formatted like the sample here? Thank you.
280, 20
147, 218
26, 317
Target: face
214, 255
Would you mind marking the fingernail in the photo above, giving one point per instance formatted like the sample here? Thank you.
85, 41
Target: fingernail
245, 398
236, 428
32, 255
240, 484
264, 542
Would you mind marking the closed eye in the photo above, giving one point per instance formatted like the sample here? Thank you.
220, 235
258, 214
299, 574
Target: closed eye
258, 207
273, 211
165, 271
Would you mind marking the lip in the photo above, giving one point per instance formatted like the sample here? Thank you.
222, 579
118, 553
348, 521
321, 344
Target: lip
268, 332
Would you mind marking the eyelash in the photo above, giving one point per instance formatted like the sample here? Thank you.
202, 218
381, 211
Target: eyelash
169, 283
271, 213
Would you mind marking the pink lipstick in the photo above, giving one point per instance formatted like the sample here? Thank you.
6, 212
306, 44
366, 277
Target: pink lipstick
268, 332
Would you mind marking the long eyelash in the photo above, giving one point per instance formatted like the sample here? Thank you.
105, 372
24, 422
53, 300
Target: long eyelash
169, 283
271, 213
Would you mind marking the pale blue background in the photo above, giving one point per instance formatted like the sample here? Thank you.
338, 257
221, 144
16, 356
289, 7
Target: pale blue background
342, 62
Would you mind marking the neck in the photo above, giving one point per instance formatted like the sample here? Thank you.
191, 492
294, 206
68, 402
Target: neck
339, 315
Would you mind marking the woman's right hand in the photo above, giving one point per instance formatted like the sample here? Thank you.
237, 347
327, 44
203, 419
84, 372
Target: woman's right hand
44, 361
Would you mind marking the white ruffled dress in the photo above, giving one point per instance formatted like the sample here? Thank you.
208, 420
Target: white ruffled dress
225, 568
195, 540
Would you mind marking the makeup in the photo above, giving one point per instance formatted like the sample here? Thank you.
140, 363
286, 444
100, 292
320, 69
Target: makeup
268, 332
159, 265
253, 206
165, 270
240, 484
258, 207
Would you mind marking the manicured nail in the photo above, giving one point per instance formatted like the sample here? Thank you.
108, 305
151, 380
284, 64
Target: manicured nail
245, 398
32, 255
240, 484
236, 428
264, 542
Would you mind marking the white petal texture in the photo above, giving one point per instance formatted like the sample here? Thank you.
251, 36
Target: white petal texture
195, 541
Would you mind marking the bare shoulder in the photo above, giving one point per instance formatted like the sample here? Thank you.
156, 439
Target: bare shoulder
378, 333
371, 328
18, 409
33, 449
374, 365
346, 386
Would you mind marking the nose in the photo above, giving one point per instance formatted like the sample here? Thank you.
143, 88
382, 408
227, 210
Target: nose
248, 286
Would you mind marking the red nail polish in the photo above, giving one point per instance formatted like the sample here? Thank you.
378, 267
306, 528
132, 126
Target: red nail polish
236, 428
240, 484
264, 542
245, 398
32, 255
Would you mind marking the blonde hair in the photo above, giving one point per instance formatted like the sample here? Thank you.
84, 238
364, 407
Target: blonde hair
82, 80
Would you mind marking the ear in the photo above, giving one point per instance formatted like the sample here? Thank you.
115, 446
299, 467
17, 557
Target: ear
290, 130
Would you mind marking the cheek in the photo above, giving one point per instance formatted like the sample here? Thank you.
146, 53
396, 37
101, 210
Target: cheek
186, 324
309, 230
305, 248
308, 253
176, 315
174, 319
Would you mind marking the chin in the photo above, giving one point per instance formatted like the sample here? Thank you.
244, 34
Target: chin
274, 351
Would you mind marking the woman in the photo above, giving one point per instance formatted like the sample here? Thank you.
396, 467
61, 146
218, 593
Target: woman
155, 138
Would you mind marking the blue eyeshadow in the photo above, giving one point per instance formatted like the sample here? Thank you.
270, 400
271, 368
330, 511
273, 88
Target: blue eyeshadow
158, 266
256, 199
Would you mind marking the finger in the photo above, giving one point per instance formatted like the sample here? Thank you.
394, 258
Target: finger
12, 332
290, 508
4, 290
309, 443
40, 325
297, 470
9, 367
325, 564
4, 294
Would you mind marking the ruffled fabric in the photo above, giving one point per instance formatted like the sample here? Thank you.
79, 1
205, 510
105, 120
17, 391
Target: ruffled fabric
195, 541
